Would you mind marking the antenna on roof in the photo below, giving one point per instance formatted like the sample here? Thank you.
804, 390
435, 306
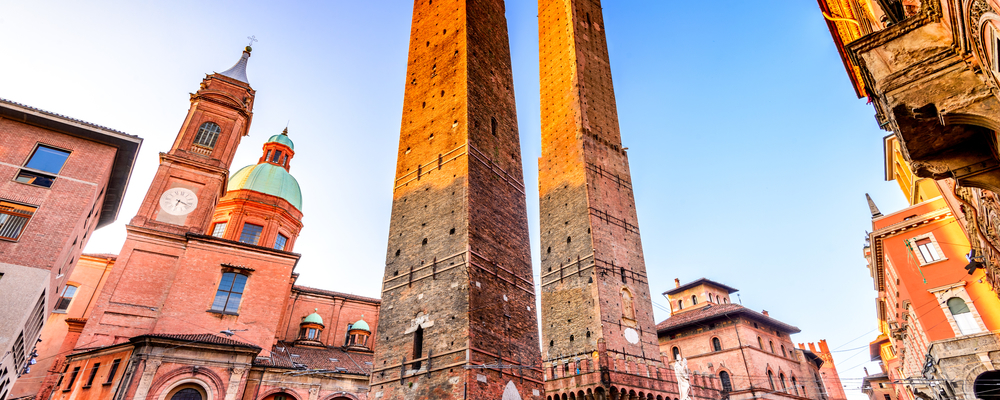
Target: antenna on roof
739, 299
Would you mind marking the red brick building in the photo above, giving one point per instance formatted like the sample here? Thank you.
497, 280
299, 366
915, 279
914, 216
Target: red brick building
459, 319
750, 353
60, 178
201, 302
599, 336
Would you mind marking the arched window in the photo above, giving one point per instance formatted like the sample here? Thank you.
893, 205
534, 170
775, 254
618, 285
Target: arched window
783, 353
680, 304
781, 378
418, 345
795, 386
694, 300
760, 343
67, 297
727, 385
716, 344
677, 353
770, 379
987, 385
770, 343
230, 293
186, 394
967, 324
208, 133
628, 305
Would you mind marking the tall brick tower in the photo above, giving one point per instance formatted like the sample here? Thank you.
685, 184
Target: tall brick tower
597, 316
458, 318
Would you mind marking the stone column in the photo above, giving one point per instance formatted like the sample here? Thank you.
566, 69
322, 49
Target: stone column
149, 371
235, 378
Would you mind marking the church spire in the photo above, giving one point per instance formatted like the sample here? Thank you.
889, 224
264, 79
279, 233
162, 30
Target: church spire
239, 71
871, 206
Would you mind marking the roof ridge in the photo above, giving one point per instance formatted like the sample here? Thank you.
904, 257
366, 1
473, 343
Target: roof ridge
50, 113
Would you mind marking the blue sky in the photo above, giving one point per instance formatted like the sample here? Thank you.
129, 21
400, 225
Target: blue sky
750, 153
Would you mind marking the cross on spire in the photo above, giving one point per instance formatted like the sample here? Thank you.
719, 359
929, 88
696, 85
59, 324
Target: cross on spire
253, 38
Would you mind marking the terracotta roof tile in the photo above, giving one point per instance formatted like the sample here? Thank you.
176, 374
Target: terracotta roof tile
716, 311
306, 289
199, 338
326, 359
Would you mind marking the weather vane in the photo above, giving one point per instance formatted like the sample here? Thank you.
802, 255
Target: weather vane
253, 38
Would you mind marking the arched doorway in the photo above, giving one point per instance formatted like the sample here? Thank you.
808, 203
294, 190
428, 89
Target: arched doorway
987, 386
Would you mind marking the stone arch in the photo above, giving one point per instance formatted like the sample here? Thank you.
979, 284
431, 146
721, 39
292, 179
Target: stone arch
280, 390
213, 385
599, 393
976, 31
572, 396
986, 382
341, 395
580, 395
164, 392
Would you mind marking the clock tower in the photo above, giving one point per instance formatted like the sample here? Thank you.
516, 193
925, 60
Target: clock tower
192, 175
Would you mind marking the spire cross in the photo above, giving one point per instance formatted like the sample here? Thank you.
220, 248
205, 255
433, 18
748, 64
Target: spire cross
253, 38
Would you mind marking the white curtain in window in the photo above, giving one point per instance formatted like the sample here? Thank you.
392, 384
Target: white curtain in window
967, 324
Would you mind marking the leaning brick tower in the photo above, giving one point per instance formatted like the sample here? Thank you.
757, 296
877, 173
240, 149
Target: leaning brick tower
458, 316
598, 333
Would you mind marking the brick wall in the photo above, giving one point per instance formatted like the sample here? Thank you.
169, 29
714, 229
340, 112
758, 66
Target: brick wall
458, 263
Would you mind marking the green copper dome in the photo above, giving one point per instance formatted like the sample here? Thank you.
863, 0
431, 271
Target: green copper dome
361, 325
283, 139
268, 179
313, 318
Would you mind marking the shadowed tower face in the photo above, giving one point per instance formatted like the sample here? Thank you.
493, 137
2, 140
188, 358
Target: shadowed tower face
458, 290
595, 294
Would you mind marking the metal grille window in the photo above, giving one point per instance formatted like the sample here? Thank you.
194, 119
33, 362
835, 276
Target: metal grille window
279, 243
67, 297
219, 229
187, 394
208, 133
230, 293
727, 384
251, 233
13, 219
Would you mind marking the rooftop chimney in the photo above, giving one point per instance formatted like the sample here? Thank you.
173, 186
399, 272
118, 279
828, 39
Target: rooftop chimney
677, 282
765, 313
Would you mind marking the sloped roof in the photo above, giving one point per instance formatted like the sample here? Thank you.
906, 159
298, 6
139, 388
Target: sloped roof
689, 285
718, 311
329, 359
197, 338
323, 292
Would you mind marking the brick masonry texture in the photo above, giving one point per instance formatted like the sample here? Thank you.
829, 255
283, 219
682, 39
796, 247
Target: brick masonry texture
595, 292
458, 263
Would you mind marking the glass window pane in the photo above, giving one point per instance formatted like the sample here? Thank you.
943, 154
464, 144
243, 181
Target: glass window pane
251, 233
241, 281
47, 159
69, 291
34, 179
277, 155
234, 302
220, 229
279, 244
220, 300
227, 281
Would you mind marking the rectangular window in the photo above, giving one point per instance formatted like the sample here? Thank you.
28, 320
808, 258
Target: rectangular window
251, 233
927, 250
67, 297
43, 166
72, 377
114, 369
93, 373
219, 230
277, 155
279, 243
13, 219
230, 293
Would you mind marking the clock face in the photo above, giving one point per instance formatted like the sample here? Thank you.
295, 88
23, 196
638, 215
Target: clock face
178, 201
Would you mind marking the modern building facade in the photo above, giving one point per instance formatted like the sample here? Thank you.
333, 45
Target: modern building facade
60, 179
750, 353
